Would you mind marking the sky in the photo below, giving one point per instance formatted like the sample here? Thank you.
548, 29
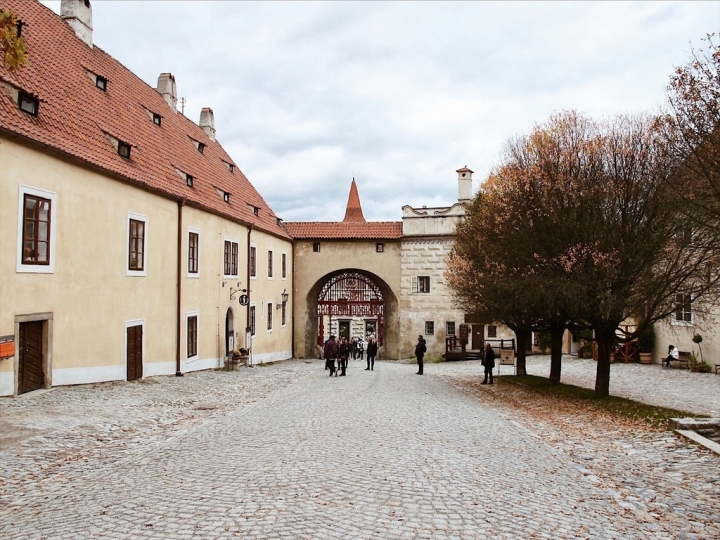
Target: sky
398, 95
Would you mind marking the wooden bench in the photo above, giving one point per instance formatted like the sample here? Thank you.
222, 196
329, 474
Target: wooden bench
683, 360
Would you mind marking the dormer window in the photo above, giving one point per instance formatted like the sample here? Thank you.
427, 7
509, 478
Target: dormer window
201, 147
157, 119
230, 167
101, 83
189, 180
226, 196
124, 149
28, 103
256, 210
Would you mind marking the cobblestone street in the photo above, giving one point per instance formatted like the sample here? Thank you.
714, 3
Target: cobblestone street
283, 451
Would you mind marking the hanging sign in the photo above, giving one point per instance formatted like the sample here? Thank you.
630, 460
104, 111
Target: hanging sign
244, 300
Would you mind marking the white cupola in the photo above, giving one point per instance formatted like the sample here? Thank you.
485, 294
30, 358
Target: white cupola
464, 184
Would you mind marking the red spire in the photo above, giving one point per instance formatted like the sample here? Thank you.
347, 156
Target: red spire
353, 212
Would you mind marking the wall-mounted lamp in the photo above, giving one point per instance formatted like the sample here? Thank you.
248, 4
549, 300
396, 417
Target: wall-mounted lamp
285, 296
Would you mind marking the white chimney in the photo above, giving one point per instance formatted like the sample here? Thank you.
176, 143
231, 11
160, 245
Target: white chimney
207, 122
464, 184
78, 14
167, 89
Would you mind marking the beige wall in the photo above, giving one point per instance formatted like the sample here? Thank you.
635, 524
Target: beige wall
89, 295
680, 334
313, 270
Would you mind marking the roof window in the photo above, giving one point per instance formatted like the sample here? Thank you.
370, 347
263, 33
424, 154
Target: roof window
27, 103
256, 210
200, 146
101, 83
157, 119
124, 149
230, 167
226, 196
189, 180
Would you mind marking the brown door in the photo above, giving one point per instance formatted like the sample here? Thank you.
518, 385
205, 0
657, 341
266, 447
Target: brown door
30, 373
478, 336
134, 352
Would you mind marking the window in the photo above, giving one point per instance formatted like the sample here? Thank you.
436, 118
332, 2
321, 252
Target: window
201, 147
492, 330
36, 230
230, 258
450, 328
270, 264
101, 83
189, 180
421, 284
283, 314
683, 307
269, 315
253, 261
192, 336
193, 252
316, 247
157, 119
379, 247
136, 252
283, 266
429, 328
226, 196
252, 321
28, 103
256, 211
124, 149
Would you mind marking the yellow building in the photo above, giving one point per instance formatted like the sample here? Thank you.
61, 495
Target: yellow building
128, 236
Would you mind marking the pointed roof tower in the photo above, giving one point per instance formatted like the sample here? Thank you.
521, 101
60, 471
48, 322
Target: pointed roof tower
353, 212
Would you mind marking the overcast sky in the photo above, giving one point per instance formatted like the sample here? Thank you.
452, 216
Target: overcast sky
308, 95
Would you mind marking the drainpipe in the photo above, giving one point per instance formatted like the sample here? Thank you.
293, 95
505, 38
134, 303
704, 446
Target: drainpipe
247, 308
178, 373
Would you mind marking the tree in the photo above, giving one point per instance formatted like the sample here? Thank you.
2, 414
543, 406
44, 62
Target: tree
12, 44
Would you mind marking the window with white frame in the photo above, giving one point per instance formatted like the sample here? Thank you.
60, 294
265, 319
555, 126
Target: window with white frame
283, 314
429, 328
283, 266
270, 264
421, 284
450, 328
253, 261
252, 321
36, 231
137, 245
491, 331
269, 316
193, 253
683, 308
192, 336
230, 258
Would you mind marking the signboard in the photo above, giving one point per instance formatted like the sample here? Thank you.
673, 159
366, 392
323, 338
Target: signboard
507, 357
244, 300
463, 333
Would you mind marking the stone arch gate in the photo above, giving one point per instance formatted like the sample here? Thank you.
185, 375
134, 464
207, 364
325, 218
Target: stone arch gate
347, 292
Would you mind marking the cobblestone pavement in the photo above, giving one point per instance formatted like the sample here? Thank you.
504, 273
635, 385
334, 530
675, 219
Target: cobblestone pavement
286, 452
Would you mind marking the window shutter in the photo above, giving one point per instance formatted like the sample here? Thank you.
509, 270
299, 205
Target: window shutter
414, 284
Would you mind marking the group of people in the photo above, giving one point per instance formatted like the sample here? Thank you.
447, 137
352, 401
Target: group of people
488, 359
341, 351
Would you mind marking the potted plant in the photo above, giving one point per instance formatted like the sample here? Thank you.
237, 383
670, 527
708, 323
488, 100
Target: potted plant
646, 344
237, 357
698, 366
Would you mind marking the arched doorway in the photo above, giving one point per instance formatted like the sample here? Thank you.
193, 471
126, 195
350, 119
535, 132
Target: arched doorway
229, 331
348, 296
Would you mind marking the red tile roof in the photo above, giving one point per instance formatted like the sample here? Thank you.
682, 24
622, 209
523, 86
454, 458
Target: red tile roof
75, 116
368, 230
353, 212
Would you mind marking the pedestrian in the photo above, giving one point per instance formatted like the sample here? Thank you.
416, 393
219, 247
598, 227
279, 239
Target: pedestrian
360, 349
344, 355
489, 362
353, 348
420, 350
371, 352
330, 353
673, 354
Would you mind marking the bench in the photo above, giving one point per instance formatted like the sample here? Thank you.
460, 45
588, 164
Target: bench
683, 360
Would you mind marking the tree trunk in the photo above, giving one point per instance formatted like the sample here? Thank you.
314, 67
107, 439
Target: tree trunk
556, 335
522, 337
605, 345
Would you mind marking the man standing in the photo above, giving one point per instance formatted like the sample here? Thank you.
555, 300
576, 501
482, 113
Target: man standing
344, 355
420, 350
330, 353
489, 362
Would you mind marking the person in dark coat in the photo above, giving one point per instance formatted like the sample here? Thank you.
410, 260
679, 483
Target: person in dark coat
371, 352
489, 362
344, 355
330, 353
420, 350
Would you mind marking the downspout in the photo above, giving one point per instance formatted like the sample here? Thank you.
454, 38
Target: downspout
292, 311
247, 308
178, 373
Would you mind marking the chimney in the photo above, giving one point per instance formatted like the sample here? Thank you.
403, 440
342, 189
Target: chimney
207, 122
167, 89
464, 184
78, 14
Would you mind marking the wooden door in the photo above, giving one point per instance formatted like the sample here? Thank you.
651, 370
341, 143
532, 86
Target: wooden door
478, 336
134, 352
30, 370
344, 329
229, 332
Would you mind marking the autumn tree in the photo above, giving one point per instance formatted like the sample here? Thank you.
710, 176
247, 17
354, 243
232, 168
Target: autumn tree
12, 44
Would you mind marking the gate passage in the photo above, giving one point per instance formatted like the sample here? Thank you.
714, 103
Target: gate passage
350, 295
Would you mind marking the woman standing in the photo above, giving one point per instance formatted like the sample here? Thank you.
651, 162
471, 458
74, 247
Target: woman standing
371, 352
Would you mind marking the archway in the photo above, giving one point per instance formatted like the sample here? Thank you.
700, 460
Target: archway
351, 295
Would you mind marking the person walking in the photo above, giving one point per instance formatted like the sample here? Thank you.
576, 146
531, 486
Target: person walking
344, 353
489, 362
420, 350
330, 353
371, 352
